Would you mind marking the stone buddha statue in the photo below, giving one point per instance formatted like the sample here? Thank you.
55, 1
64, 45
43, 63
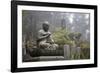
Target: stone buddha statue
45, 40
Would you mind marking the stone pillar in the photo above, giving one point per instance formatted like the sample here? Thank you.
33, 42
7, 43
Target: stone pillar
75, 52
79, 52
66, 52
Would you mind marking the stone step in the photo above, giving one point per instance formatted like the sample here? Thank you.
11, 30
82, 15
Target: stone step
44, 58
49, 58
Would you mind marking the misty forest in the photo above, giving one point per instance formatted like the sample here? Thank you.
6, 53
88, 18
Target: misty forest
69, 30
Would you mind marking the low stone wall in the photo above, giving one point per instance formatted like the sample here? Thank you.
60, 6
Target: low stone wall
67, 52
71, 52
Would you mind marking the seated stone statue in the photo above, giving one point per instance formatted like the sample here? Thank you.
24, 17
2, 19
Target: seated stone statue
45, 40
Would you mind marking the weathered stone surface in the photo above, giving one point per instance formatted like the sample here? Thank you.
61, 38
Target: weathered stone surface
44, 52
66, 52
50, 58
75, 52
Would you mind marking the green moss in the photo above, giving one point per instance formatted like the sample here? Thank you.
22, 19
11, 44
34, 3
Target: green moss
85, 45
60, 36
64, 36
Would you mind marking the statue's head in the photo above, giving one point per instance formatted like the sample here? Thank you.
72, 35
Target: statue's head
45, 26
